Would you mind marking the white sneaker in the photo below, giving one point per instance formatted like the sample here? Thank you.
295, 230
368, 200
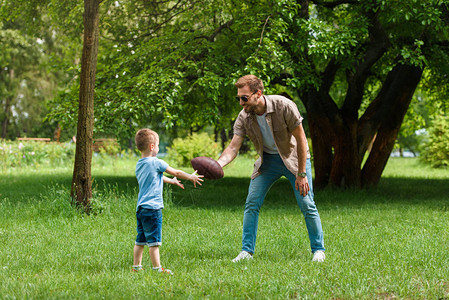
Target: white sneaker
162, 270
242, 255
319, 256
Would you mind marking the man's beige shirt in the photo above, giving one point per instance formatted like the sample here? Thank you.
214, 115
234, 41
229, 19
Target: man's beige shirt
283, 117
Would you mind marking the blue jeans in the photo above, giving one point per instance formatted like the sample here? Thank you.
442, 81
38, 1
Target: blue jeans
149, 227
271, 170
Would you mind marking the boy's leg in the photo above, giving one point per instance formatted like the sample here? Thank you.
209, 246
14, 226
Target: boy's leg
152, 225
155, 257
139, 244
138, 253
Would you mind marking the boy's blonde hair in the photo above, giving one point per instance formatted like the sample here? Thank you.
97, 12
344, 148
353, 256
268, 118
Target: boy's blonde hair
145, 137
251, 81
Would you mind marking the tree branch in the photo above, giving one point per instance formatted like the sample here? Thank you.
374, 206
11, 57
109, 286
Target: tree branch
328, 75
377, 46
263, 29
169, 14
281, 79
333, 4
384, 107
217, 31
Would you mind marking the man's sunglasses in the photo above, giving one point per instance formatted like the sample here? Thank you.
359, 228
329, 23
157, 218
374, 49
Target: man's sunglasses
244, 97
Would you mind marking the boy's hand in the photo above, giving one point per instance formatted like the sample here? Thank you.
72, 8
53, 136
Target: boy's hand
196, 178
175, 181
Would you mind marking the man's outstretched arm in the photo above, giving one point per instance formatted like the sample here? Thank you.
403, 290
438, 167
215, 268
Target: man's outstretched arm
231, 151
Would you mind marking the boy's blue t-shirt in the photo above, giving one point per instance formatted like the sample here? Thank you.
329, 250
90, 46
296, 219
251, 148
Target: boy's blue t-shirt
149, 172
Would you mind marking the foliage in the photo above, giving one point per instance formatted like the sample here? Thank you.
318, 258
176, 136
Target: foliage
30, 71
171, 65
25, 154
35, 154
106, 146
183, 150
20, 85
160, 74
416, 121
429, 100
344, 57
436, 150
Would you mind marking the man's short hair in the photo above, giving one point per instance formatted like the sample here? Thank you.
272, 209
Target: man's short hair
145, 137
251, 81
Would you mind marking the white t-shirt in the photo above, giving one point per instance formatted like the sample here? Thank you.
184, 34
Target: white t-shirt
269, 146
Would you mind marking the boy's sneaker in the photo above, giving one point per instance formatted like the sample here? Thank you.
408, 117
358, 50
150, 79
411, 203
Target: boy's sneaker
243, 255
162, 270
319, 256
136, 269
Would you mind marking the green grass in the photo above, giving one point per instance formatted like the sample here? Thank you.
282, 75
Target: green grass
384, 242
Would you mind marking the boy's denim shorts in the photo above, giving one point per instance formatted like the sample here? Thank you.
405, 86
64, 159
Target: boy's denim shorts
149, 227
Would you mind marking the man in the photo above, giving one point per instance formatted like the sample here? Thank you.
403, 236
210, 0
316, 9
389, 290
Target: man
274, 125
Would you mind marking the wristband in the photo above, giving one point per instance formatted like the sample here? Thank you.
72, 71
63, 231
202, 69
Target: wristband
302, 174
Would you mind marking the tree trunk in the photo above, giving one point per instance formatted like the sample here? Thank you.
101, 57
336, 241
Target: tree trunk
81, 191
321, 136
6, 120
57, 133
7, 107
334, 143
392, 104
340, 142
340, 139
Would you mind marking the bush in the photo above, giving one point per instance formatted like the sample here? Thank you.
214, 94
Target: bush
23, 154
183, 150
436, 150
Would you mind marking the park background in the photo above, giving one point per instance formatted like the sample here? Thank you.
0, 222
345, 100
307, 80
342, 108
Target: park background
370, 78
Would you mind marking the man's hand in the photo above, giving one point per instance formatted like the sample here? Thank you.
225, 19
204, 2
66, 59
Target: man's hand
302, 185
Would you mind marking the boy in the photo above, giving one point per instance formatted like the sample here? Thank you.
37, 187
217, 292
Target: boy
149, 173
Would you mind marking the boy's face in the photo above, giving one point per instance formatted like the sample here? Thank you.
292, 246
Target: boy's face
154, 147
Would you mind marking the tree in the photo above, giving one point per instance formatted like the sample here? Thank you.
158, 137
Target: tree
21, 87
377, 50
81, 191
35, 12
160, 68
354, 66
436, 151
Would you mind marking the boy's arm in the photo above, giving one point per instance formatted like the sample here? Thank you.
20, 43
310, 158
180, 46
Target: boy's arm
196, 179
173, 180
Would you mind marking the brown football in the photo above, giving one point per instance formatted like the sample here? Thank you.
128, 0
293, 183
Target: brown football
208, 167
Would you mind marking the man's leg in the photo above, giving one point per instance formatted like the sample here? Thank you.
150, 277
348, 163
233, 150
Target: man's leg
257, 191
309, 210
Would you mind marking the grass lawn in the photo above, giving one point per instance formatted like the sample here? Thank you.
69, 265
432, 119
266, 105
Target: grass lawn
386, 242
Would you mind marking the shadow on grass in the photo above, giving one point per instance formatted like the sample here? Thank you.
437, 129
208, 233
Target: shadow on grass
231, 192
